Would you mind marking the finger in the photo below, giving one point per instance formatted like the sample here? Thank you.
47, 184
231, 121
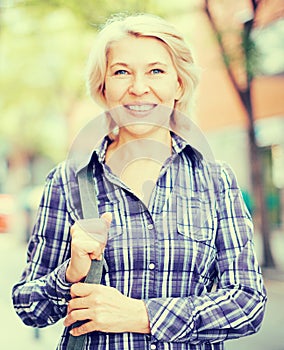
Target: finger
73, 228
85, 328
78, 304
94, 225
95, 228
82, 289
107, 218
80, 239
76, 315
96, 256
77, 227
87, 246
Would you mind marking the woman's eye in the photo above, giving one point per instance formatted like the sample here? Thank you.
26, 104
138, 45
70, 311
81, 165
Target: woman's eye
157, 71
121, 72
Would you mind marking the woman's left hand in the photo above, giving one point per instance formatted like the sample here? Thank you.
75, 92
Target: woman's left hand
105, 309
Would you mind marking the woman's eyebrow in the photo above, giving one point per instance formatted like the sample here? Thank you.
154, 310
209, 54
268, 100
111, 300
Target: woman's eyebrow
157, 64
118, 64
152, 64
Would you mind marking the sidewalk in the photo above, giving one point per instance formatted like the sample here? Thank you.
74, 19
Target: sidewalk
271, 334
15, 335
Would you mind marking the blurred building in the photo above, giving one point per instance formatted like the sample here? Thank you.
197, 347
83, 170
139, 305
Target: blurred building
220, 113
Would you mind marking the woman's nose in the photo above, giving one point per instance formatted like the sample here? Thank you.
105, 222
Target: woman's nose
139, 86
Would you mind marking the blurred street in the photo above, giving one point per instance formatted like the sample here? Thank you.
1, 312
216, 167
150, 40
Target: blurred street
15, 335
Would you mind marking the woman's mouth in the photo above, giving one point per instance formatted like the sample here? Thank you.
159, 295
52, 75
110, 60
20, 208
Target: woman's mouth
140, 109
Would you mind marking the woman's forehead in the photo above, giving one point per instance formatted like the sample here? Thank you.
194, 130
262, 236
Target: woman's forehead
146, 49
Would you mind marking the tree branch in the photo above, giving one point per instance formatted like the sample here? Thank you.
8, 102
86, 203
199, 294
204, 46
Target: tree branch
255, 4
223, 50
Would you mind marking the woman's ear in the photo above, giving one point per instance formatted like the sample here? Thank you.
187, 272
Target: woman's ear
179, 90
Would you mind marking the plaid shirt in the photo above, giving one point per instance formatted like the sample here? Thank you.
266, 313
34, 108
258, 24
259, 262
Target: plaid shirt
189, 255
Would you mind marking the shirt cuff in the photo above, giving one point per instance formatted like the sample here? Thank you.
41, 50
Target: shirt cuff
170, 319
58, 289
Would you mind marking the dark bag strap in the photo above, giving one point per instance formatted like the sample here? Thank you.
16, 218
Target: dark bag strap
89, 210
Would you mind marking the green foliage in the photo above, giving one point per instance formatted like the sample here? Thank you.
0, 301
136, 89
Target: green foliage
44, 47
90, 11
41, 73
251, 54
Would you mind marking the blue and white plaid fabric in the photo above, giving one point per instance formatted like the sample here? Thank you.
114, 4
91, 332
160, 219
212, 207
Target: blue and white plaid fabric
189, 255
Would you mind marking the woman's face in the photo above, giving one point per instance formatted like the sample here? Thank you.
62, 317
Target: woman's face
141, 79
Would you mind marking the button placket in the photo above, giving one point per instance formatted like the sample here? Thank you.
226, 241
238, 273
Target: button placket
151, 265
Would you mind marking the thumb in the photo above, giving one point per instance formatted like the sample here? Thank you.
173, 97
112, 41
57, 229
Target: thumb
107, 217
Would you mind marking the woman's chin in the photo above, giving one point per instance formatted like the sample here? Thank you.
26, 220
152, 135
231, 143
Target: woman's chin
140, 129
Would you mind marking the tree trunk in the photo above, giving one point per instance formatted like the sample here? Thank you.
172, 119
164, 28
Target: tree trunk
256, 170
257, 181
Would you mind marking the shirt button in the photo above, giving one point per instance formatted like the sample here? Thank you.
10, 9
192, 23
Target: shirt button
150, 226
151, 267
153, 347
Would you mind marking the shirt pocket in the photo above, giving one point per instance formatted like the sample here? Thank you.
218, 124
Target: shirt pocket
195, 218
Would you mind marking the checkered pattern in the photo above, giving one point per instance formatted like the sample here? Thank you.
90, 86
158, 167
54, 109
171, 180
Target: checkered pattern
189, 255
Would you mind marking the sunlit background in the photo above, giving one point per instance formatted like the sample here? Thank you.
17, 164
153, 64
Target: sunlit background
44, 46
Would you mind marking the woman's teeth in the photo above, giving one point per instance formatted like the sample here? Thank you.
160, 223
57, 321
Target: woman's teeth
140, 108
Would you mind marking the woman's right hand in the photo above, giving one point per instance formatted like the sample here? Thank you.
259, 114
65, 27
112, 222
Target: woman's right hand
85, 248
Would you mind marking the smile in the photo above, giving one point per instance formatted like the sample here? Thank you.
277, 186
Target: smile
141, 107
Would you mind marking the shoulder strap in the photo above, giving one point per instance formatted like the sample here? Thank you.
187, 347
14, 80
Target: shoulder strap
87, 193
89, 210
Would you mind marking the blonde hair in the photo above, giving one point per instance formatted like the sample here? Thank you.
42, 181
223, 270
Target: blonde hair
142, 25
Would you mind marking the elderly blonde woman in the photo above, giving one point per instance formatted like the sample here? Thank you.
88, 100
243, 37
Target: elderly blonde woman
179, 270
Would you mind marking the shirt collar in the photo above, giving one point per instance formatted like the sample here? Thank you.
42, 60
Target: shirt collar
178, 145
99, 151
92, 140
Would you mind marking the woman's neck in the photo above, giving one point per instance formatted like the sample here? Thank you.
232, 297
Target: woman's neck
137, 161
159, 135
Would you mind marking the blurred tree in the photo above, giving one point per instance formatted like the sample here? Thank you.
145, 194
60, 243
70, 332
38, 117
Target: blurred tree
44, 46
90, 11
41, 77
240, 57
